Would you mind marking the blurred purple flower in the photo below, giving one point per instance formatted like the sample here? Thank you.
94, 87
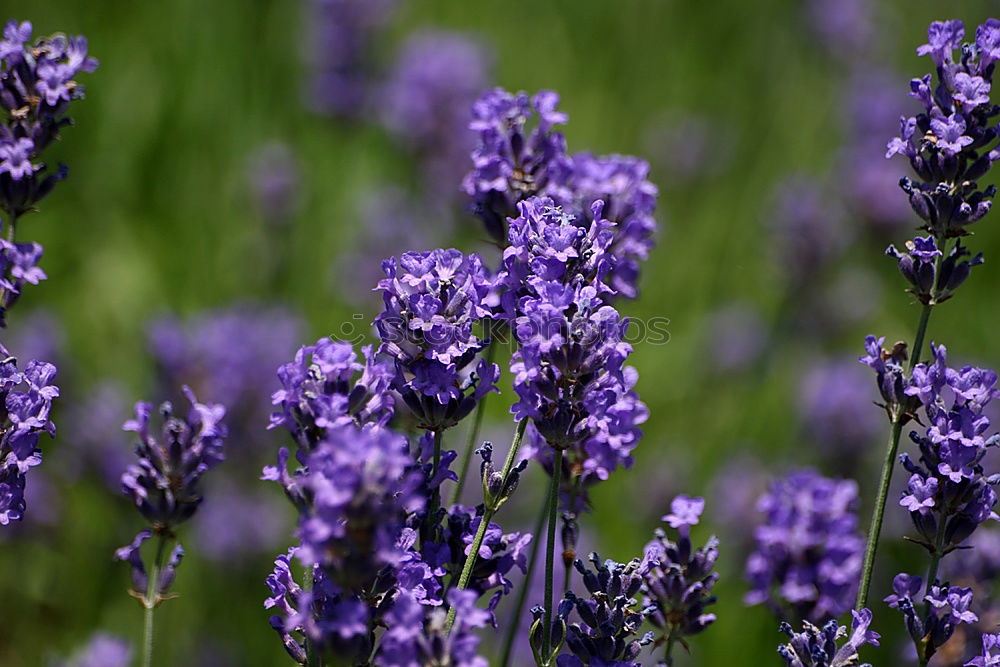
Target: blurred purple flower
273, 176
102, 650
736, 337
836, 410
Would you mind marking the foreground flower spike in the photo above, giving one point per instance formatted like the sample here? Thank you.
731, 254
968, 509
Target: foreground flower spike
36, 87
609, 620
817, 647
949, 144
990, 657
807, 554
510, 163
930, 619
948, 495
432, 300
25, 403
164, 485
679, 579
356, 492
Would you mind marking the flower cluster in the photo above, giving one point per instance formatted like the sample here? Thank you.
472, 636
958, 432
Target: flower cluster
932, 624
37, 86
808, 549
679, 579
546, 246
498, 554
432, 300
320, 390
948, 144
18, 267
510, 167
25, 406
947, 494
817, 647
163, 484
609, 622
510, 163
418, 637
933, 277
356, 491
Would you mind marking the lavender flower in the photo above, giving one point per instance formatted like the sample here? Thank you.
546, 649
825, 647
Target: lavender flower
932, 279
37, 85
679, 580
930, 625
948, 145
418, 635
18, 267
835, 410
571, 381
545, 245
356, 491
808, 549
25, 406
427, 100
511, 164
339, 53
609, 622
888, 367
163, 484
431, 302
947, 494
320, 391
362, 483
498, 555
990, 655
815, 647
629, 200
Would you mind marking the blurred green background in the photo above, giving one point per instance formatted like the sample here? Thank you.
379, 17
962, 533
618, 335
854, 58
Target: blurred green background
158, 215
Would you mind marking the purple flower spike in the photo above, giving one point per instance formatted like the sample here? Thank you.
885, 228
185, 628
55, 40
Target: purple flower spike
817, 647
164, 482
808, 550
37, 85
431, 302
953, 140
25, 406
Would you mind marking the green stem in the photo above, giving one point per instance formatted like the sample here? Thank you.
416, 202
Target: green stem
151, 600
314, 657
667, 658
888, 464
477, 541
550, 548
514, 623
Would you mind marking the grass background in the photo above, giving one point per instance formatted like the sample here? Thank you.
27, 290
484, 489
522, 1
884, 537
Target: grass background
157, 215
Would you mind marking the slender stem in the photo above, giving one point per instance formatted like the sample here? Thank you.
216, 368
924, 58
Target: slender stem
435, 500
918, 342
477, 541
514, 623
936, 556
313, 654
567, 576
667, 658
152, 599
875, 528
470, 446
550, 548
